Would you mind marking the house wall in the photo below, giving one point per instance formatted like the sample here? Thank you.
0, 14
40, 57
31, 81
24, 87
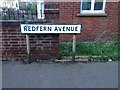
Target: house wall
45, 46
119, 23
52, 12
94, 27
42, 46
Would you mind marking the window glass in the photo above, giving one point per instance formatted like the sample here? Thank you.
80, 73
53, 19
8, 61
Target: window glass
4, 4
86, 5
98, 5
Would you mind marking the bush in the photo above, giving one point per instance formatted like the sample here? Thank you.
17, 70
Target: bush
65, 49
100, 49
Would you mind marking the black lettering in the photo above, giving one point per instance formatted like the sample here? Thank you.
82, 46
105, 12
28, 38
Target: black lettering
29, 28
44, 28
25, 28
72, 28
63, 28
37, 28
59, 28
49, 28
40, 28
76, 28
67, 28
56, 29
33, 28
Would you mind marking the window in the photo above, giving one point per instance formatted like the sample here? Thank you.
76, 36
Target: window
4, 4
40, 9
92, 6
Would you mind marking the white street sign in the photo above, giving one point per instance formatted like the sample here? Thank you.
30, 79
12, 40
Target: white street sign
44, 29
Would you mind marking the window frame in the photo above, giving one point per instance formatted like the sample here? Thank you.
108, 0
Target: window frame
40, 9
92, 11
4, 4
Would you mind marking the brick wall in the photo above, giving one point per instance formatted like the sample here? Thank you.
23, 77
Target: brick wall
105, 27
42, 46
52, 11
95, 27
119, 23
0, 42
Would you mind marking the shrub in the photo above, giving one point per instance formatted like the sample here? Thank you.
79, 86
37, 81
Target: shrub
100, 49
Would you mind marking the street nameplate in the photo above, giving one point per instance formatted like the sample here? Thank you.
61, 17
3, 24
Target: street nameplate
44, 29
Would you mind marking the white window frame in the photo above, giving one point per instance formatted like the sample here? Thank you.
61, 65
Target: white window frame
92, 11
4, 4
40, 9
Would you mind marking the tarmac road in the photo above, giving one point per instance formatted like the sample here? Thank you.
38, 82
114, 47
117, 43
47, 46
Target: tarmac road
60, 75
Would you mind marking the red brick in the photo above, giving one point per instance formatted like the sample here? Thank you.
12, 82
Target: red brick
92, 27
14, 43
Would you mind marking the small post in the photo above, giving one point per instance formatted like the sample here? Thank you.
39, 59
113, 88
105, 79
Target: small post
74, 48
28, 47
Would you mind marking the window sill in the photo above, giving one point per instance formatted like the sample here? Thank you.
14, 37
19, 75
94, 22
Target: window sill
91, 15
51, 11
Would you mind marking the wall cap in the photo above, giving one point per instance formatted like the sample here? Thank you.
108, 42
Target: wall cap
23, 21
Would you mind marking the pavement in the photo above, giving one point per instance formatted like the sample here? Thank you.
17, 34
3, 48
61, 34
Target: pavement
15, 74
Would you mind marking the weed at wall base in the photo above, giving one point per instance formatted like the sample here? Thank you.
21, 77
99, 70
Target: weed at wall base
102, 50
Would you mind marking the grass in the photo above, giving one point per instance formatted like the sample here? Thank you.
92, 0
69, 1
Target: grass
100, 49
